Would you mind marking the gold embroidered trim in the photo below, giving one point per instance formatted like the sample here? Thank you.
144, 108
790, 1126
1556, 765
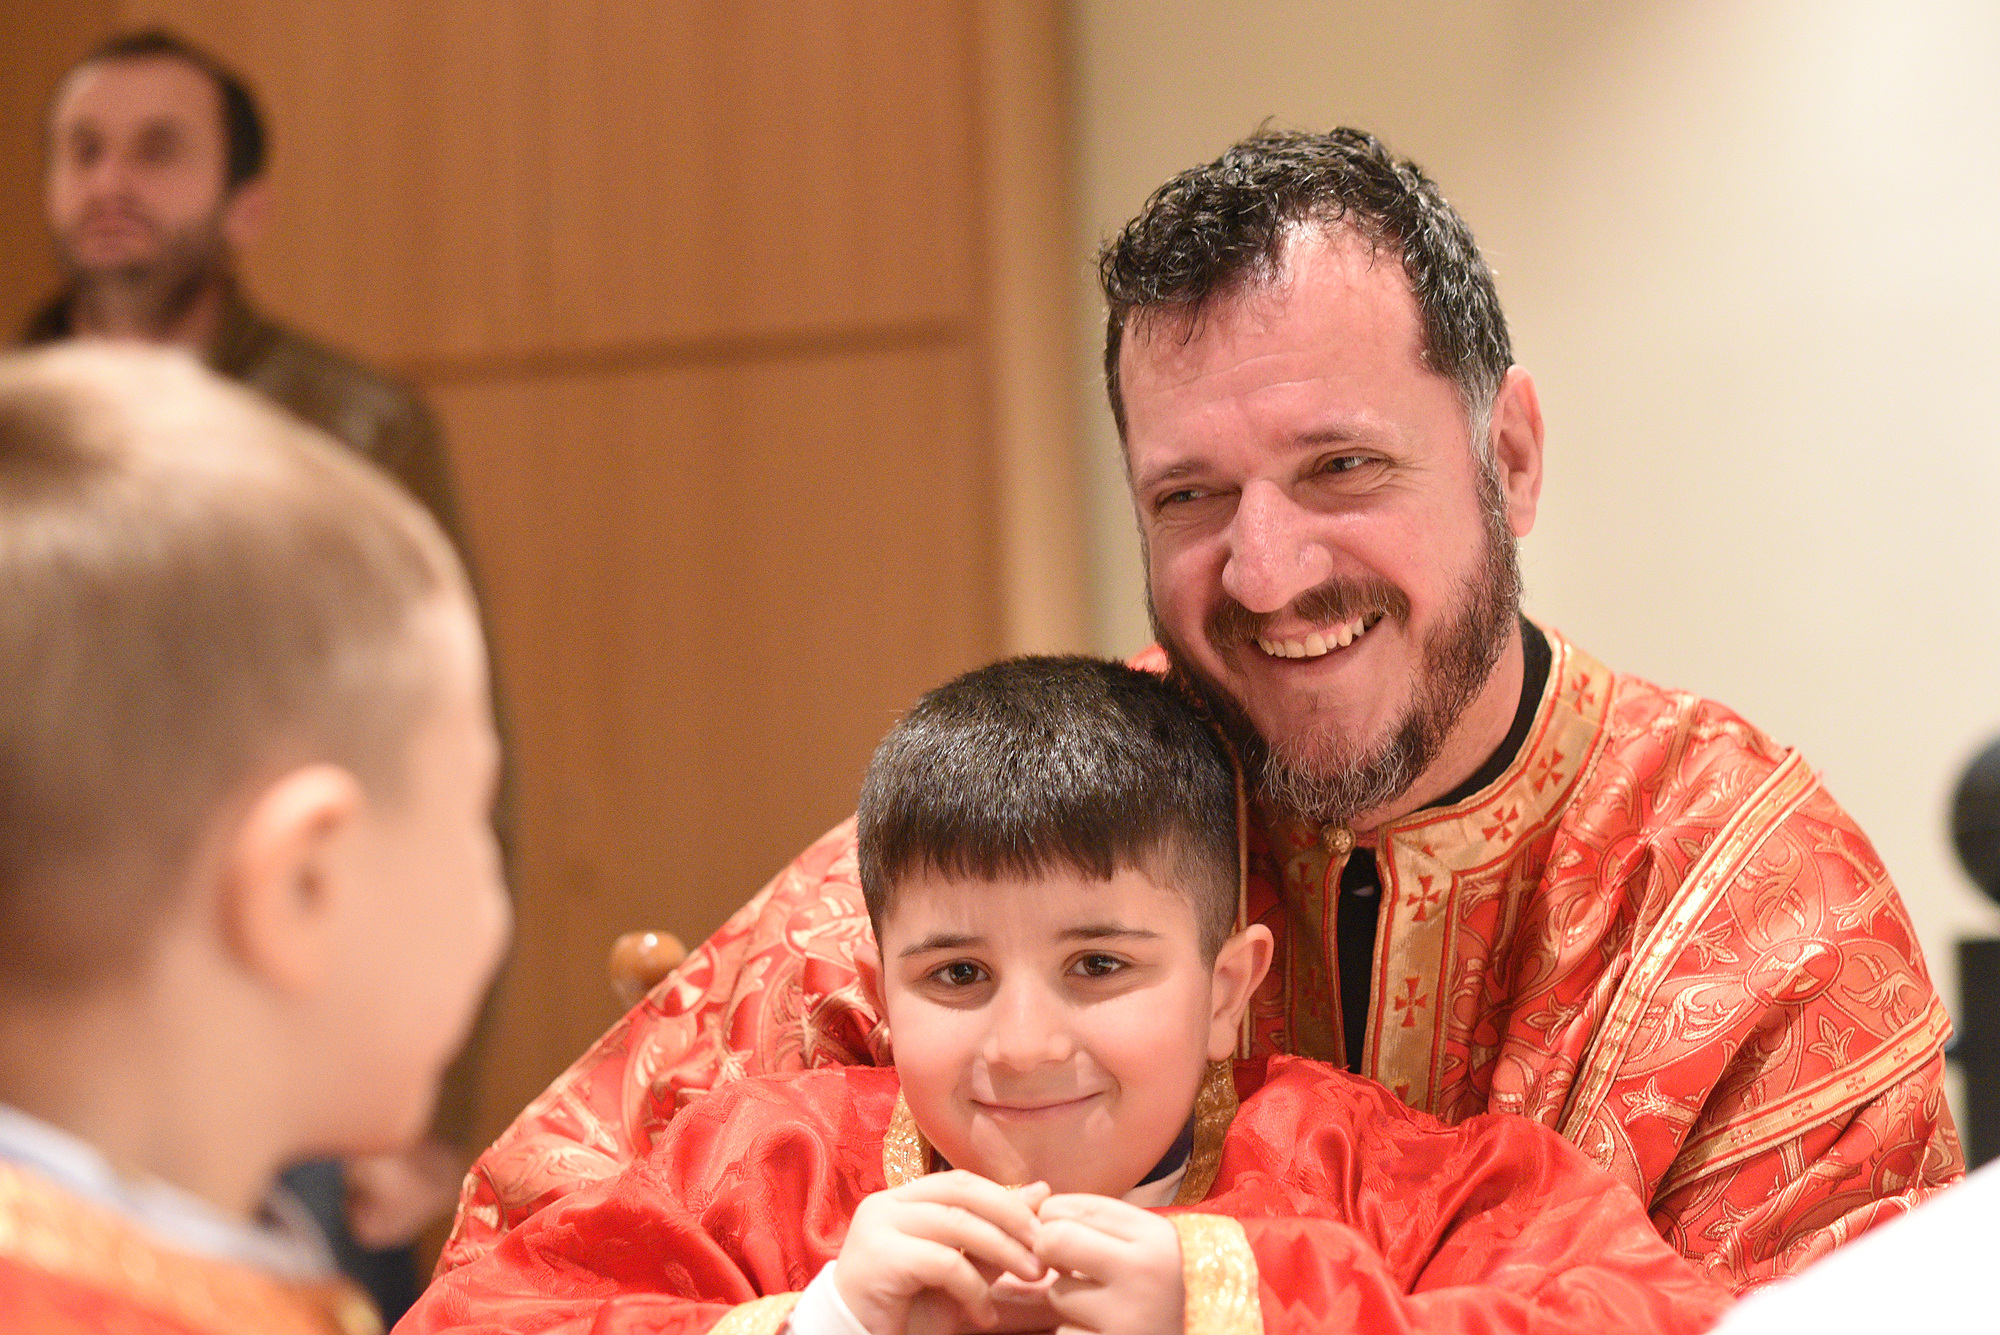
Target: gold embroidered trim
1773, 802
1429, 860
1836, 1093
45, 1228
1214, 1110
759, 1316
1218, 1276
906, 1155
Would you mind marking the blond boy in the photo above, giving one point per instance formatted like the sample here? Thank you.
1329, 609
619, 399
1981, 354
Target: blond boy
249, 893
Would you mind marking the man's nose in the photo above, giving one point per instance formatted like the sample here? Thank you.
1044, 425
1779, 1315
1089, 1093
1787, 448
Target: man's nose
1027, 1030
1273, 555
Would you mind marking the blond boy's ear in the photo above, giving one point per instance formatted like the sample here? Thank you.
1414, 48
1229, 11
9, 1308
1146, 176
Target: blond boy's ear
1239, 967
280, 877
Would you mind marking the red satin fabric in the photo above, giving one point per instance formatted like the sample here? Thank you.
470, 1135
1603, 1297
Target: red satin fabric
1363, 1215
1656, 934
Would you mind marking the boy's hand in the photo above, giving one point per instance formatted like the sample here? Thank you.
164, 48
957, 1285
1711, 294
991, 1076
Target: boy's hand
935, 1233
1120, 1266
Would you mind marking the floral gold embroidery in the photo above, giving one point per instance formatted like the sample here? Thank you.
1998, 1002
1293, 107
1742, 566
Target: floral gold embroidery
1214, 1110
906, 1155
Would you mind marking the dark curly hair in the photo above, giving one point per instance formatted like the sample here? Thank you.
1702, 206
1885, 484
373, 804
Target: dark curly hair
1212, 227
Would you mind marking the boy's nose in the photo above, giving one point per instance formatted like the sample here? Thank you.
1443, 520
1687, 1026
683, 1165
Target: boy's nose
1027, 1030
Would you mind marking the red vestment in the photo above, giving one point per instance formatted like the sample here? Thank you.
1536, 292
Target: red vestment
1655, 933
71, 1267
1333, 1207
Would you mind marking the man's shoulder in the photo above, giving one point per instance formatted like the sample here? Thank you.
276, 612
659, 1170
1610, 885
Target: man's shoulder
1651, 729
332, 389
1682, 792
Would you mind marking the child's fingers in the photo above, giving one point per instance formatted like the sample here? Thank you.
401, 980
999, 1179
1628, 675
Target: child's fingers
1120, 1219
968, 1234
1078, 1248
1008, 1209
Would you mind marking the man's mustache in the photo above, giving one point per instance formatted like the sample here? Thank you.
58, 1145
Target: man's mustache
1230, 624
116, 211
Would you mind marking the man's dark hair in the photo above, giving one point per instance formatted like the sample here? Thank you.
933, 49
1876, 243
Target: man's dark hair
242, 126
1034, 766
1211, 228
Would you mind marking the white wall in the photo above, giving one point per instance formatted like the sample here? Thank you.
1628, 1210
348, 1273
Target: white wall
1750, 250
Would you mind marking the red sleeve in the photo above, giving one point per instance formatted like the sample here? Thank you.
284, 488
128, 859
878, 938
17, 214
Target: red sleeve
778, 988
747, 1195
1365, 1215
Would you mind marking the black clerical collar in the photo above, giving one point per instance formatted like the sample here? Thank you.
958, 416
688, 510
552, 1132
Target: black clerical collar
1535, 660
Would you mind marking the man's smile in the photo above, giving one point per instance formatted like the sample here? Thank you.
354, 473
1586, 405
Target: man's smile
1318, 643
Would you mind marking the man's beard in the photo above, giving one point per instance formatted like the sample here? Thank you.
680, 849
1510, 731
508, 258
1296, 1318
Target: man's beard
1325, 778
155, 291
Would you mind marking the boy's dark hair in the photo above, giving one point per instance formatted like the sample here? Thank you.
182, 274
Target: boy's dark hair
1044, 764
242, 126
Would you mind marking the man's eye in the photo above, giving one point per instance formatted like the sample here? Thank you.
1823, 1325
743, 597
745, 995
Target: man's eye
1181, 497
1097, 965
959, 973
1345, 463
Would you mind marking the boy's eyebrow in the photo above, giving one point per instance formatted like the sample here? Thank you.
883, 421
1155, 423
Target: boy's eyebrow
941, 941
1098, 931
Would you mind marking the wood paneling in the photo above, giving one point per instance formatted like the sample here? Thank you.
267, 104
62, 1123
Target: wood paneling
712, 589
470, 177
40, 40
746, 322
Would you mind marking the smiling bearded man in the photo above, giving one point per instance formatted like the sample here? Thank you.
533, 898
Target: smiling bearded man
1498, 875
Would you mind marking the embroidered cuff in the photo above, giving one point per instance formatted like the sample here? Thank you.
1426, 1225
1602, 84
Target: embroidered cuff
1218, 1276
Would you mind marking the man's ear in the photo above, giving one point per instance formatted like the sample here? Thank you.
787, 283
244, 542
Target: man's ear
244, 212
1517, 448
282, 876
1239, 966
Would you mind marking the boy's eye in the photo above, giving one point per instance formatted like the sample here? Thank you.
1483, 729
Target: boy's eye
1097, 965
959, 973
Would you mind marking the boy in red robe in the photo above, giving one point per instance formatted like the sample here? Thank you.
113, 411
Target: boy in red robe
249, 893
1050, 854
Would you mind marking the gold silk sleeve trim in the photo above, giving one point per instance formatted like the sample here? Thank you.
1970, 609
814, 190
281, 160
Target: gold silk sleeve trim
1218, 1276
759, 1316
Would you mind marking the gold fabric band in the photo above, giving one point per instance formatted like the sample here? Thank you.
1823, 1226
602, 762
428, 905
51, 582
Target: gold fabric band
1218, 1276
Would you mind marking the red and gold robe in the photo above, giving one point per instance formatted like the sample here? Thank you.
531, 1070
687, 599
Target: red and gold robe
71, 1267
1321, 1204
1655, 932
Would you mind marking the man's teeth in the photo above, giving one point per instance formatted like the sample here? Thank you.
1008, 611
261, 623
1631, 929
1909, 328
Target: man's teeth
1317, 643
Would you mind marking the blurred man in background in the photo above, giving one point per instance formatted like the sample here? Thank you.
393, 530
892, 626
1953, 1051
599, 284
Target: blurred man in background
155, 185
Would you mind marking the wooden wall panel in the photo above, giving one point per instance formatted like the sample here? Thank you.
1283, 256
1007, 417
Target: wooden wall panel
738, 316
713, 588
41, 40
465, 179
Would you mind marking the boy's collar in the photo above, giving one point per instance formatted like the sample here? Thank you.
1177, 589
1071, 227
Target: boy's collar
286, 1244
907, 1154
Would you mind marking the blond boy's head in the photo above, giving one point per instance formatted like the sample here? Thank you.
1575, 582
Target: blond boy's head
239, 670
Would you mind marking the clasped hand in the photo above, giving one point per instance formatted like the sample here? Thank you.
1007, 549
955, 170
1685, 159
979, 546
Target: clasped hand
954, 1250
